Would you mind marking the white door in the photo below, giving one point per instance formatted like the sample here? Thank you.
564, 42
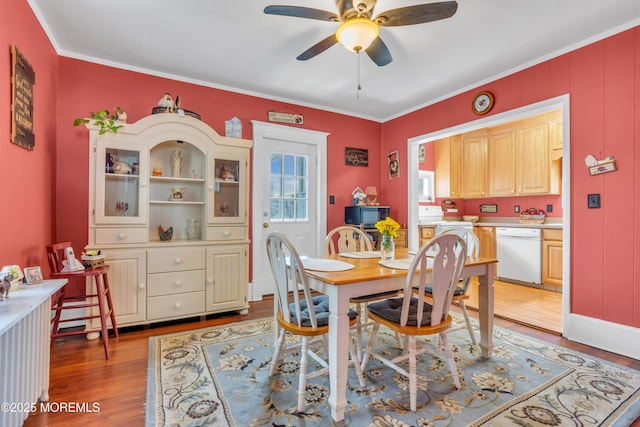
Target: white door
289, 192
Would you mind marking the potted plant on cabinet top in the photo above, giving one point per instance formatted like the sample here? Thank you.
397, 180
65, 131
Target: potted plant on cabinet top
106, 121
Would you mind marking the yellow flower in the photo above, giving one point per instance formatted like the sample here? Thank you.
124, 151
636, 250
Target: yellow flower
388, 227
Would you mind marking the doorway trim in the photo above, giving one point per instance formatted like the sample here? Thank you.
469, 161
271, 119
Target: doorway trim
560, 102
262, 131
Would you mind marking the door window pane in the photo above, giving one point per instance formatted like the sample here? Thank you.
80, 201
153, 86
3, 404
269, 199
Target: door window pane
289, 182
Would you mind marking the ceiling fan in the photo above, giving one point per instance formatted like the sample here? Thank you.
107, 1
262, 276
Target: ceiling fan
359, 31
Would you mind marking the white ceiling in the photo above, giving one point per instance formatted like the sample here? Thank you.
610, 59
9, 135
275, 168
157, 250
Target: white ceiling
232, 44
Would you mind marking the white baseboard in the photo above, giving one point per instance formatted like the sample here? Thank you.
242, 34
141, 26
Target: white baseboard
609, 336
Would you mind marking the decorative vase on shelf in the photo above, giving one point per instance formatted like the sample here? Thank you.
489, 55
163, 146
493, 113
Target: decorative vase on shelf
193, 229
387, 247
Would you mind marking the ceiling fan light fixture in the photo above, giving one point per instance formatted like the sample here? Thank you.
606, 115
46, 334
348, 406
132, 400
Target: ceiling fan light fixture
357, 34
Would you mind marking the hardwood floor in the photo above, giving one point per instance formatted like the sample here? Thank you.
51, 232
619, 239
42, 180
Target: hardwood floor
79, 372
530, 306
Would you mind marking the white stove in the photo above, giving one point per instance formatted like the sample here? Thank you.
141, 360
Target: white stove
433, 215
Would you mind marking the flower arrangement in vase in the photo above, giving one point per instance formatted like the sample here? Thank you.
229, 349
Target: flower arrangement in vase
388, 229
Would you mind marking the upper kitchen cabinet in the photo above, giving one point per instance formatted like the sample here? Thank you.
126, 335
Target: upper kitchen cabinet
474, 164
521, 158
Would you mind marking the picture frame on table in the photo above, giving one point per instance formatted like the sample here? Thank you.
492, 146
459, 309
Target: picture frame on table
33, 275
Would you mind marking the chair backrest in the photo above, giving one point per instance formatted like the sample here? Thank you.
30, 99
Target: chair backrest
448, 262
347, 238
473, 248
55, 255
292, 285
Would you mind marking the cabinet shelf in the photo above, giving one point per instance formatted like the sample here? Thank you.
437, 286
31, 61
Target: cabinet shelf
170, 202
173, 179
224, 181
110, 175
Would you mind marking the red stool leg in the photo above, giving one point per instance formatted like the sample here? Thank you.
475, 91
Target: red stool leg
110, 304
103, 317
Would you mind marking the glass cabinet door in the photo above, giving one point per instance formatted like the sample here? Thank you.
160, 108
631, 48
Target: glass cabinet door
121, 183
227, 189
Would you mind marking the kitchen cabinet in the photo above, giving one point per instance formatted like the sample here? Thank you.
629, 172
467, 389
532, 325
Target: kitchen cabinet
426, 234
502, 160
177, 173
533, 164
487, 237
521, 158
474, 164
552, 258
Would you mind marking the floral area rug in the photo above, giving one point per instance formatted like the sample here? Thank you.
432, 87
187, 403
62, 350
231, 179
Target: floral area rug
218, 376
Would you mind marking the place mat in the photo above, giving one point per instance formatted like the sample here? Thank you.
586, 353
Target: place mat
323, 264
401, 264
361, 254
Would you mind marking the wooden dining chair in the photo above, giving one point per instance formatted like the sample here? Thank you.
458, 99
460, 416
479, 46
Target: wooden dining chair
460, 293
413, 317
299, 313
347, 238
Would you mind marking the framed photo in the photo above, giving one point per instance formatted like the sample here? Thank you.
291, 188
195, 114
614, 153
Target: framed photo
33, 275
356, 156
421, 155
393, 161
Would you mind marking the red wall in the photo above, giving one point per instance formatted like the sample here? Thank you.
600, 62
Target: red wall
87, 87
27, 216
603, 80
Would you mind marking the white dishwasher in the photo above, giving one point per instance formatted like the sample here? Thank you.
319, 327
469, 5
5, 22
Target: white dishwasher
519, 253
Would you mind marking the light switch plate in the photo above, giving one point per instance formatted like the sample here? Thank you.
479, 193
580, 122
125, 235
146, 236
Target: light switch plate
593, 201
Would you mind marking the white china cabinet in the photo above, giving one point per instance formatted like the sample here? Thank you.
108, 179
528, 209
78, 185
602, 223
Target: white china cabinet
168, 209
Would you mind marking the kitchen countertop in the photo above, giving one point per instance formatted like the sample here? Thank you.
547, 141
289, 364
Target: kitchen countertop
550, 223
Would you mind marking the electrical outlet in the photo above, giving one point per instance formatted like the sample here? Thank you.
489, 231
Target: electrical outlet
549, 208
593, 201
516, 209
332, 200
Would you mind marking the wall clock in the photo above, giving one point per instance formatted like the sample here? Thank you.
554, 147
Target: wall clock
482, 103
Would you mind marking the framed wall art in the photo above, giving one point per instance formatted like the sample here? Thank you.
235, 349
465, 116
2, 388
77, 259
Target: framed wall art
356, 156
393, 161
22, 80
421, 154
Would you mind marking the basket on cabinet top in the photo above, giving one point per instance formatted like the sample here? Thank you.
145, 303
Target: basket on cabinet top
531, 219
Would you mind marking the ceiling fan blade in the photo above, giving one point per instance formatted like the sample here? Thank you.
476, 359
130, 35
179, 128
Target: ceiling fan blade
318, 48
417, 14
302, 12
379, 52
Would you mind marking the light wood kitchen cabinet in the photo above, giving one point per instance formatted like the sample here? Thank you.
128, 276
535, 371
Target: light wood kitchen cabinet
533, 158
487, 237
502, 160
204, 202
520, 158
474, 164
426, 234
552, 258
401, 239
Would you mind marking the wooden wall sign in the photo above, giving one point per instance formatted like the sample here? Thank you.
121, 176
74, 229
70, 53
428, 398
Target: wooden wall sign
356, 156
22, 80
296, 119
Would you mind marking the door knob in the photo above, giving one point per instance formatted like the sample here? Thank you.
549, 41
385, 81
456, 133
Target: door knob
265, 225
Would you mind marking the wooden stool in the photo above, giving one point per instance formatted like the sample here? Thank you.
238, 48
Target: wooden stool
100, 299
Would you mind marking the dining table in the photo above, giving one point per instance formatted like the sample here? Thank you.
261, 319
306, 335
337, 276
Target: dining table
347, 275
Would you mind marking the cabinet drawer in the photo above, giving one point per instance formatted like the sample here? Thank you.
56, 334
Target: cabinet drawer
180, 305
426, 232
175, 259
173, 283
226, 233
121, 235
551, 234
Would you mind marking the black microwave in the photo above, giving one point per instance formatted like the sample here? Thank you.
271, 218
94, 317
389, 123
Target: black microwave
366, 215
